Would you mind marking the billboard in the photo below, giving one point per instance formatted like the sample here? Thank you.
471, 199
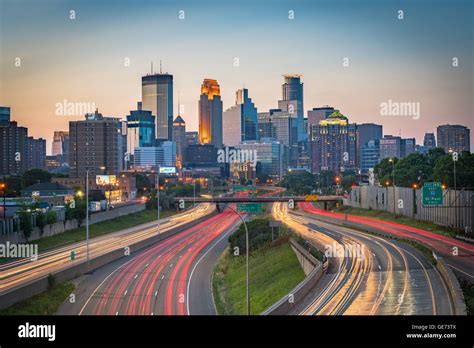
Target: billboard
102, 180
167, 170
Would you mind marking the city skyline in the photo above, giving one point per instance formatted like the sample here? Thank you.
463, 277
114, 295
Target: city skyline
388, 68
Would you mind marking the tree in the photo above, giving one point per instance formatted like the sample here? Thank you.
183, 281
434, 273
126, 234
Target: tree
40, 220
384, 170
32, 176
25, 220
444, 170
413, 169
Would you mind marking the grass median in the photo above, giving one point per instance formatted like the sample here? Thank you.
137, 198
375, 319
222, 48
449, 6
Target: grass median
100, 228
46, 303
274, 271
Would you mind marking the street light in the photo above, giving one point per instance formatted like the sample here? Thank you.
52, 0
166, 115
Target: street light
246, 256
391, 160
3, 186
87, 214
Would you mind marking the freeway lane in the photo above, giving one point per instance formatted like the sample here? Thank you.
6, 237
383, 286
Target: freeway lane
461, 261
19, 272
384, 278
157, 280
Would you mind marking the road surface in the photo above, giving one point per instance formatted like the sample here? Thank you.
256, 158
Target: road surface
457, 254
22, 271
368, 275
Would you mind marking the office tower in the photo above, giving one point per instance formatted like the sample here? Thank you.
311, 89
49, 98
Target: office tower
36, 153
318, 114
407, 146
152, 157
60, 146
239, 122
210, 114
199, 155
179, 136
334, 144
140, 129
94, 143
270, 156
157, 97
370, 152
429, 140
13, 145
192, 138
390, 147
292, 102
4, 114
453, 138
365, 133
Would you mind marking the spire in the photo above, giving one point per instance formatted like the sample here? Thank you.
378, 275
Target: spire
160, 68
152, 67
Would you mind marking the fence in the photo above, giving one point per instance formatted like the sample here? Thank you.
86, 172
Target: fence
456, 211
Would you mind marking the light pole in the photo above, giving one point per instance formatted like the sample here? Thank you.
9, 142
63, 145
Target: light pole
393, 181
87, 214
158, 196
455, 159
4, 189
246, 256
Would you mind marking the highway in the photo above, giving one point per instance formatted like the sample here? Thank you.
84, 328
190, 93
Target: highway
373, 276
22, 271
457, 254
172, 277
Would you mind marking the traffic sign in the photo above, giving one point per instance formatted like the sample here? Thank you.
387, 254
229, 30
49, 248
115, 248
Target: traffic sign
255, 208
432, 193
73, 255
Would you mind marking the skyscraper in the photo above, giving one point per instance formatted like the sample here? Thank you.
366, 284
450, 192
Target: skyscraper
334, 144
317, 114
157, 97
390, 147
179, 136
140, 129
210, 114
239, 122
292, 102
365, 133
94, 143
429, 140
453, 138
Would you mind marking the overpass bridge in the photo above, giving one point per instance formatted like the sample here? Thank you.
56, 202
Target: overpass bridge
262, 199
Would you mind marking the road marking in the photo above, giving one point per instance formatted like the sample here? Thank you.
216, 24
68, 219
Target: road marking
136, 275
460, 270
116, 313
380, 267
156, 293
163, 276
171, 265
125, 292
146, 265
200, 259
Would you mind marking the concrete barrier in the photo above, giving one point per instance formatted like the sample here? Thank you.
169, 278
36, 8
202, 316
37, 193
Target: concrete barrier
454, 289
289, 301
76, 269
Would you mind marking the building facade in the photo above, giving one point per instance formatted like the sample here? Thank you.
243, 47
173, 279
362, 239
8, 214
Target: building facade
333, 146
292, 102
365, 133
453, 138
429, 140
239, 122
152, 157
179, 136
95, 144
157, 97
210, 114
140, 129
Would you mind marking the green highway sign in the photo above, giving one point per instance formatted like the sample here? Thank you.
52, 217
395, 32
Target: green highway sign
255, 208
240, 188
73, 255
432, 193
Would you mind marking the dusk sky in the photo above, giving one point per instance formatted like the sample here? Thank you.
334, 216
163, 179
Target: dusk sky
82, 60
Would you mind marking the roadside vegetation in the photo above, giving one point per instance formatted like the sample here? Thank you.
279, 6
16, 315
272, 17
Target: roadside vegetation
468, 291
45, 303
274, 270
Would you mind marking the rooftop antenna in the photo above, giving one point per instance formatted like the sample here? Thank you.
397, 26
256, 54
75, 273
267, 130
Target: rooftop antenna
178, 105
160, 67
152, 67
